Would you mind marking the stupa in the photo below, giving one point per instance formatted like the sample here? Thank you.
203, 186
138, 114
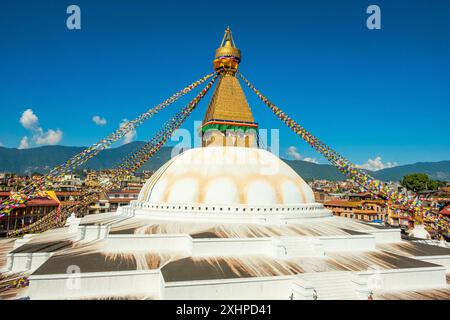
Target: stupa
227, 220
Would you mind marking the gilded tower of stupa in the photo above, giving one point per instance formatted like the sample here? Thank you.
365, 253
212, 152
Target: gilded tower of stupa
228, 120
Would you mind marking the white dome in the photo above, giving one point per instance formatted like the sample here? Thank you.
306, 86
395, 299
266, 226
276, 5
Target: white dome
226, 176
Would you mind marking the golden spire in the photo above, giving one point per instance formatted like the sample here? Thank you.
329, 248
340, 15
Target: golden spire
228, 120
227, 55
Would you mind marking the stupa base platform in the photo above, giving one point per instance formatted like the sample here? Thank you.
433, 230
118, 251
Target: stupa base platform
126, 256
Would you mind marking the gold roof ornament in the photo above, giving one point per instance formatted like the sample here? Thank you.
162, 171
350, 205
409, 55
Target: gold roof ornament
227, 55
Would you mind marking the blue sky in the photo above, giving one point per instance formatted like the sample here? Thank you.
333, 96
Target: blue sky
367, 93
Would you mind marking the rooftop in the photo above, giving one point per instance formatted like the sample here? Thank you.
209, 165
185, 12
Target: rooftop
445, 211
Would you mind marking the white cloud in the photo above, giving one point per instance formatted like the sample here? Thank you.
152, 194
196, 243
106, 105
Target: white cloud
51, 137
377, 164
30, 121
99, 120
24, 144
294, 154
313, 160
130, 136
292, 151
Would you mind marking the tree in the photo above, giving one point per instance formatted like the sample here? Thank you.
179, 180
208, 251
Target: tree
419, 182
436, 184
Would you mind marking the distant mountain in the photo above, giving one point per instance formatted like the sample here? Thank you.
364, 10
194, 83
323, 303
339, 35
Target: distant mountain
42, 159
435, 170
311, 171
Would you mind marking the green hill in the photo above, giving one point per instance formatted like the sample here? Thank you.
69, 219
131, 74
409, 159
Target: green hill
42, 159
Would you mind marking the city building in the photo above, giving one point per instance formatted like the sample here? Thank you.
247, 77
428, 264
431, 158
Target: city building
119, 198
366, 210
102, 204
68, 183
28, 212
68, 197
445, 211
